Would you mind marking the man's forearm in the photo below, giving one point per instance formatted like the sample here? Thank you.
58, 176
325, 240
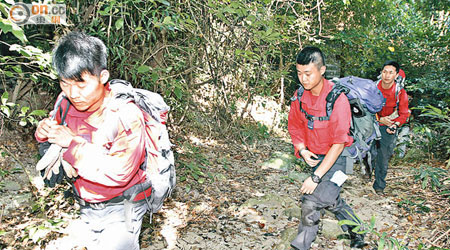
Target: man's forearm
330, 159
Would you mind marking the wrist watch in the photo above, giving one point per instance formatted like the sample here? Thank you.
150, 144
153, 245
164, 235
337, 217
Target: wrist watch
315, 178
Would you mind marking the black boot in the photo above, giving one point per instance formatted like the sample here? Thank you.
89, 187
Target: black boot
357, 240
367, 168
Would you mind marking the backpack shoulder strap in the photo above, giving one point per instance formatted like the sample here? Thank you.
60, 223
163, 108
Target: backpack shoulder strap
310, 117
334, 94
58, 108
398, 88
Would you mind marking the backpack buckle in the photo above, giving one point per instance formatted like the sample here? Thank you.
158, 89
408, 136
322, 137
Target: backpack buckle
310, 124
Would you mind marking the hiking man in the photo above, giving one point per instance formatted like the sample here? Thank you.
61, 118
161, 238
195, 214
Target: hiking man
393, 115
105, 169
320, 143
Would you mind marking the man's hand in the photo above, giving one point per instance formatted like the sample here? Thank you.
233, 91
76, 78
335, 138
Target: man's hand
310, 158
386, 121
44, 128
391, 129
308, 186
61, 135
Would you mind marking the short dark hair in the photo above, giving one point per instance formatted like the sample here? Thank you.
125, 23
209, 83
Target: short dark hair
77, 53
392, 63
311, 55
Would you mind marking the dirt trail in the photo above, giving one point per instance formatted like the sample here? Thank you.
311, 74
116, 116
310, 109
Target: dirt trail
249, 200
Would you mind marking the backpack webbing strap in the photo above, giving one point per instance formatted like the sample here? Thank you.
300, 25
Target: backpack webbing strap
331, 98
335, 92
309, 117
58, 108
398, 88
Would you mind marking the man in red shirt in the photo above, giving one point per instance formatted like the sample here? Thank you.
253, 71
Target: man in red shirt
106, 167
394, 114
320, 142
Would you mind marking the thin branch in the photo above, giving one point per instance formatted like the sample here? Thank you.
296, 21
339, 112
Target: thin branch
23, 167
442, 235
320, 18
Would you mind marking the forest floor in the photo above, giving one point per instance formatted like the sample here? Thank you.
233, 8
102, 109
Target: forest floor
228, 196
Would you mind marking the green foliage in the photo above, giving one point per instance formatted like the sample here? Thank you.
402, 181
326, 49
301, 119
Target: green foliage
7, 26
382, 239
38, 232
237, 49
26, 60
411, 205
196, 168
195, 171
15, 113
438, 132
430, 177
253, 132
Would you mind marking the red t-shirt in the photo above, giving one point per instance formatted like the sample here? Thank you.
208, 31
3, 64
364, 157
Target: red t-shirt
105, 168
325, 133
391, 103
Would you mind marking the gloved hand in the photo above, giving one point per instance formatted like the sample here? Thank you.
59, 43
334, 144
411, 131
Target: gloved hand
52, 166
69, 171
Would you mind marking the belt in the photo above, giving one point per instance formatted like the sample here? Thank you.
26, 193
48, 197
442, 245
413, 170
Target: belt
100, 205
135, 193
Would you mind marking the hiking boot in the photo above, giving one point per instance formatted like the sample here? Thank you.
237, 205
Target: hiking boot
357, 240
379, 191
367, 169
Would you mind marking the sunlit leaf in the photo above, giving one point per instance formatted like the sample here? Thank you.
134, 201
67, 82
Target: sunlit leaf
119, 23
178, 92
143, 69
24, 109
167, 3
5, 110
5, 97
23, 122
39, 112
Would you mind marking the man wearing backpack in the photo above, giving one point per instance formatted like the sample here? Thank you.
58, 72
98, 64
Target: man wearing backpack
105, 169
393, 115
320, 143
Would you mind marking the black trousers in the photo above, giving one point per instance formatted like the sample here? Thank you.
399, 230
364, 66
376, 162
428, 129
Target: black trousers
325, 196
384, 152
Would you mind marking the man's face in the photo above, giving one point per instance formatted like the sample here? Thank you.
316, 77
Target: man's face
388, 74
86, 95
310, 76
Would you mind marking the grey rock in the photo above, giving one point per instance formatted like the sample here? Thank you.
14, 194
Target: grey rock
280, 160
286, 237
330, 228
293, 212
298, 176
10, 202
11, 186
